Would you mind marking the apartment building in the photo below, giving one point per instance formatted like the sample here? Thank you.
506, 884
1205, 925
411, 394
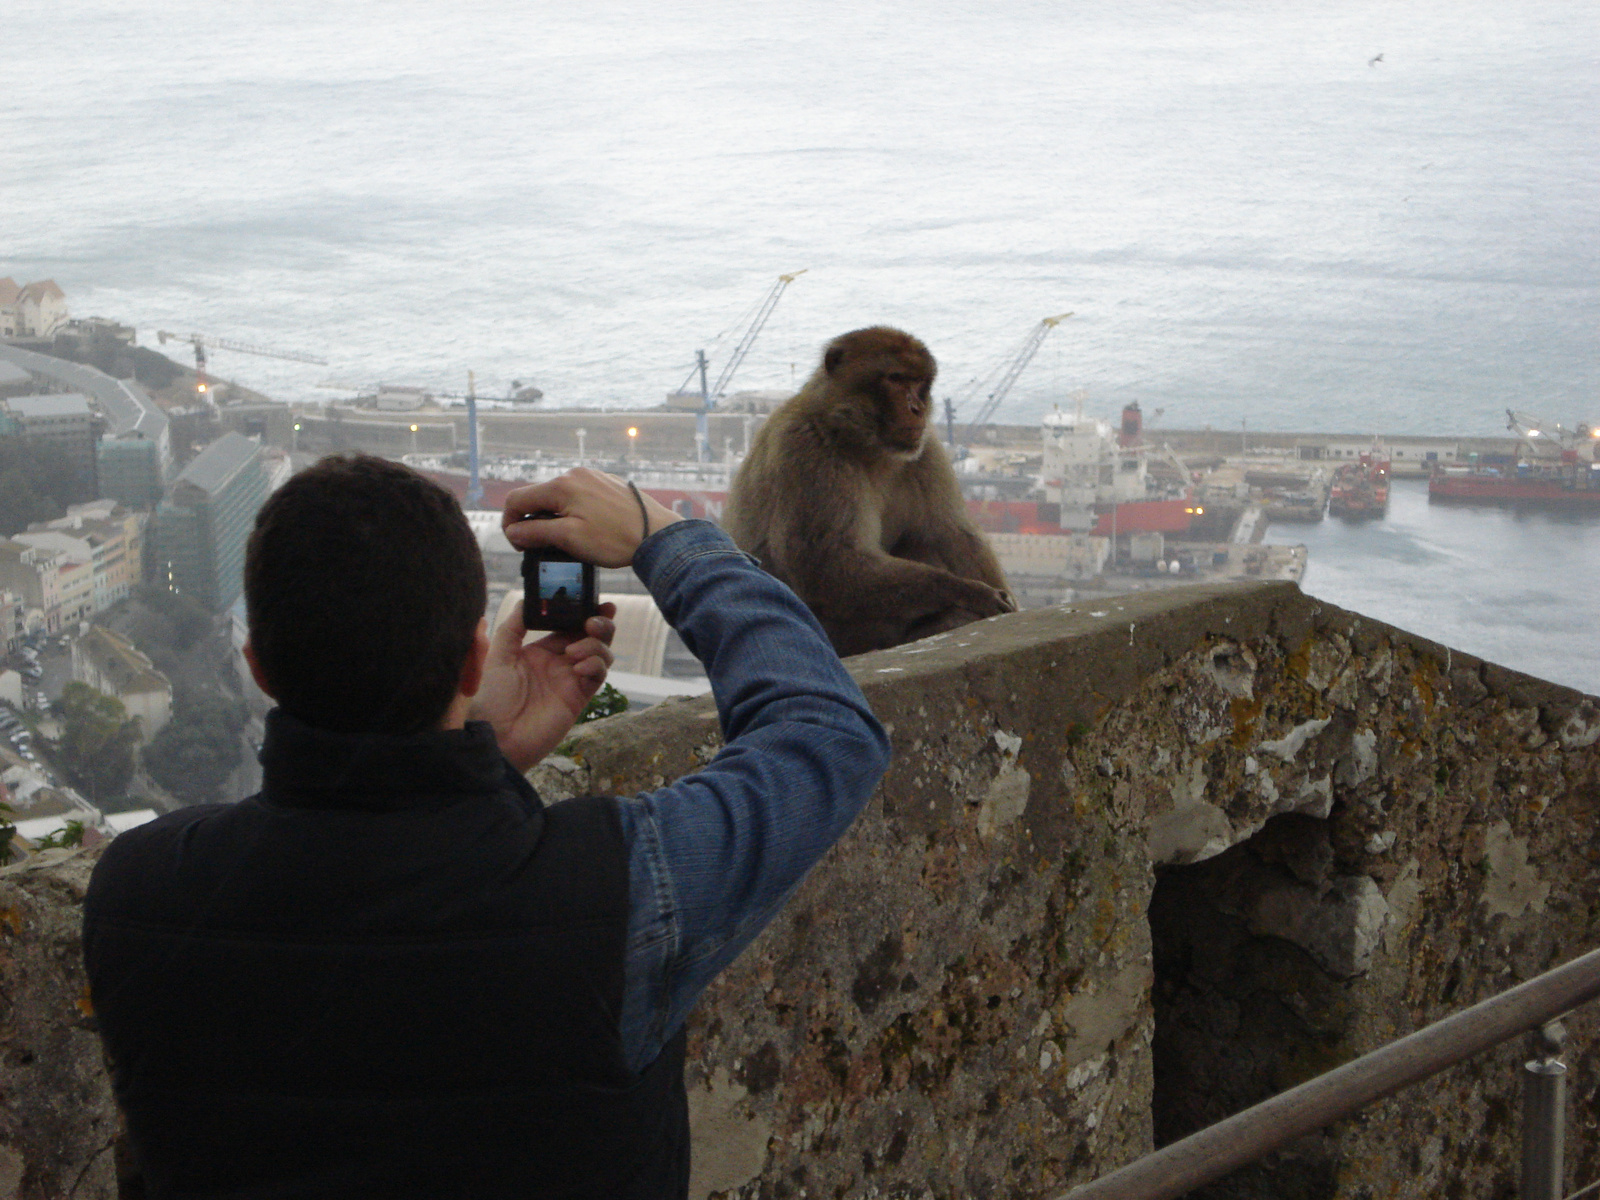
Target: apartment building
200, 529
111, 664
113, 539
13, 615
66, 421
64, 571
31, 310
34, 574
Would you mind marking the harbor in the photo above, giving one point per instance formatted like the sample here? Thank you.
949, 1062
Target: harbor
1074, 506
1078, 506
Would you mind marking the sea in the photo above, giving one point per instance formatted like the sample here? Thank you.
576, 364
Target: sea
1368, 217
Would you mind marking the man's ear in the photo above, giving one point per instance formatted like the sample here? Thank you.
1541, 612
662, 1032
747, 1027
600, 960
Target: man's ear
255, 671
472, 669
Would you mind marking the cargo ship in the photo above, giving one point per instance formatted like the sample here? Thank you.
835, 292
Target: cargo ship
1361, 489
1575, 485
1554, 467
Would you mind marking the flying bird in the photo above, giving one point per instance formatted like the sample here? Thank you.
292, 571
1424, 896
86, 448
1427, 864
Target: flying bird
1374, 61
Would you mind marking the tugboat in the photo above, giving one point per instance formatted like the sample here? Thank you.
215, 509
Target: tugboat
1361, 489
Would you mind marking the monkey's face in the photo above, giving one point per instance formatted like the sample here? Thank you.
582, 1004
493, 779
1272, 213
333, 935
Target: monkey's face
903, 405
878, 384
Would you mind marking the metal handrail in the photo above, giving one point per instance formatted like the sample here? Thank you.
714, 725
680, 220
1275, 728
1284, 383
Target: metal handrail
1240, 1140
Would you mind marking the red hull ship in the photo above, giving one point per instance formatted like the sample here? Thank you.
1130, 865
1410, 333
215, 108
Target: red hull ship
1578, 487
1556, 467
1361, 488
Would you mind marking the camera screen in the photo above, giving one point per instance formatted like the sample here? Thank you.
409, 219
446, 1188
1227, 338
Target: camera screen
561, 581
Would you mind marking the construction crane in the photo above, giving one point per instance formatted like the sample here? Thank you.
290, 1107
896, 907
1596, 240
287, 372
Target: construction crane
710, 394
201, 340
1545, 439
1004, 376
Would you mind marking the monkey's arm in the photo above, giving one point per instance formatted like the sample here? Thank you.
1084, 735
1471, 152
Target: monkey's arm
825, 542
939, 531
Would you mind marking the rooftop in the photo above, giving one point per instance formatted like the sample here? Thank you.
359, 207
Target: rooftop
70, 404
42, 288
219, 462
127, 406
75, 548
120, 664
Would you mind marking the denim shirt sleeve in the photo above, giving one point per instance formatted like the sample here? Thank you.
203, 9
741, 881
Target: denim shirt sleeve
713, 856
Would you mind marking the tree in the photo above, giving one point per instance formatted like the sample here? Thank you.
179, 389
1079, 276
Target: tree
198, 749
37, 482
97, 741
69, 835
165, 626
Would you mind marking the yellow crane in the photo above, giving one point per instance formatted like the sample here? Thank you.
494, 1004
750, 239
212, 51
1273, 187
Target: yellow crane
201, 340
1003, 376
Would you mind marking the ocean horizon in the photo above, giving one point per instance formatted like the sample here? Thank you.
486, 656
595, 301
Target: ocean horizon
1361, 218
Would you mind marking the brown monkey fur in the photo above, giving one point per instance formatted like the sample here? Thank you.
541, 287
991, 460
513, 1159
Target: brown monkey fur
848, 497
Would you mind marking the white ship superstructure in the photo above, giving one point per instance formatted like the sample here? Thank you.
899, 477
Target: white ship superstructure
1086, 464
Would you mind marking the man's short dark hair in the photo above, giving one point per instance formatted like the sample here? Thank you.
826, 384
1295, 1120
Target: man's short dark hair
363, 586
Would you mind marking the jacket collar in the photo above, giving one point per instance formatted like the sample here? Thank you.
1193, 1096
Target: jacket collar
306, 767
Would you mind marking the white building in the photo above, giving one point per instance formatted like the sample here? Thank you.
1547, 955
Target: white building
394, 397
110, 664
112, 537
34, 574
33, 310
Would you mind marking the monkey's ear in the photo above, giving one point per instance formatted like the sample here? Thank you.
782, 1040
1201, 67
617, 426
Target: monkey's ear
832, 359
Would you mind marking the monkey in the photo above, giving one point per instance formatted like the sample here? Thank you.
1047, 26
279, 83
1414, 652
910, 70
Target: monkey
847, 496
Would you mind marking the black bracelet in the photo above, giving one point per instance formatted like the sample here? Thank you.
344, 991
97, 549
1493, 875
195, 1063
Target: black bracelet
644, 516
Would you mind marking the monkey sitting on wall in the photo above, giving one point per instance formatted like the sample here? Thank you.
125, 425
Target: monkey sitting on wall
848, 497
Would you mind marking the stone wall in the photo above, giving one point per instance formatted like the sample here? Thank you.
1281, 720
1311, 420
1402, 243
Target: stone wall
58, 1123
1139, 862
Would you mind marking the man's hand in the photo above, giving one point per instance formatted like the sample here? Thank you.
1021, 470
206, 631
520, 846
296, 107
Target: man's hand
597, 519
532, 694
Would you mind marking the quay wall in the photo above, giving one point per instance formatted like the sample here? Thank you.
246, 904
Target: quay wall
1137, 864
667, 434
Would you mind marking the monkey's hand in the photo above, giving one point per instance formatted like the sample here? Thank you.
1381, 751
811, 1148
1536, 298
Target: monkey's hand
982, 601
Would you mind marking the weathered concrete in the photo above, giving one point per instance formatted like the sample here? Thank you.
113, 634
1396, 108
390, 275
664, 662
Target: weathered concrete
1137, 863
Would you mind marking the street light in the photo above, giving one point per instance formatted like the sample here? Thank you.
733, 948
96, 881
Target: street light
413, 439
633, 439
582, 433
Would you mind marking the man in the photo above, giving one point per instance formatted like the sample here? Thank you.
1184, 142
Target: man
394, 972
